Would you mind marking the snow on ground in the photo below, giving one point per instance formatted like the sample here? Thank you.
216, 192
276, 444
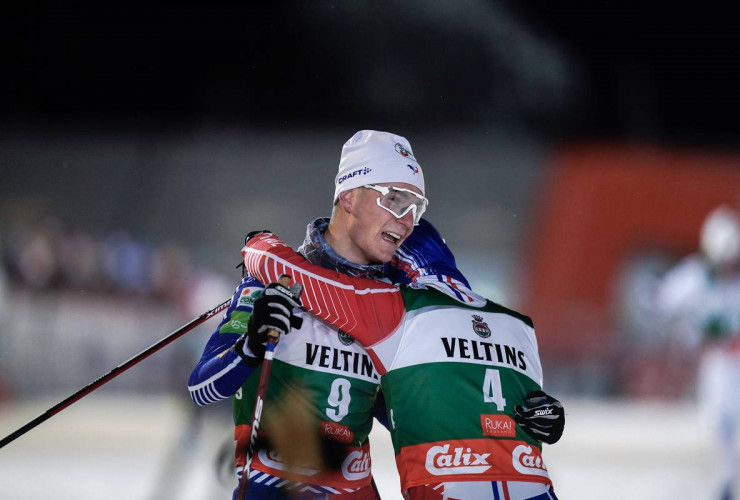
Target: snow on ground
109, 446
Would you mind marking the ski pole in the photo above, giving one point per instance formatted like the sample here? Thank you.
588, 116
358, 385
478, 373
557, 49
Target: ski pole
272, 339
257, 415
113, 373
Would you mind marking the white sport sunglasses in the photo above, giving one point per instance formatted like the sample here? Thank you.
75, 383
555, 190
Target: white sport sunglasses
399, 201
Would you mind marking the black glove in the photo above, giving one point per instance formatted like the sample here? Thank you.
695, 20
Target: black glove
273, 310
543, 418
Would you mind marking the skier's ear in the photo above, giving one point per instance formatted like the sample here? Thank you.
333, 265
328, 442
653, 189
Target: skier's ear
348, 199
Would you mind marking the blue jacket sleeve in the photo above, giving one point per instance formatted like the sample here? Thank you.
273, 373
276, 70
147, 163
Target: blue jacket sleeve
220, 371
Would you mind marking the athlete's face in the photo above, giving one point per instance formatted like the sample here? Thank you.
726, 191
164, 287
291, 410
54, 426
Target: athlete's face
374, 232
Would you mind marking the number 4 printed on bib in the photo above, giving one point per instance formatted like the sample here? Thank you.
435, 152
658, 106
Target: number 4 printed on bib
492, 392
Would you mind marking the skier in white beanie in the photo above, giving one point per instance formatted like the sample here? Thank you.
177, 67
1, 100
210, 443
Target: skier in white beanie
378, 199
378, 173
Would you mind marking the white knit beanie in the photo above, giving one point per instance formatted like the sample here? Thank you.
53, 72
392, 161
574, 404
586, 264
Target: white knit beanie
372, 157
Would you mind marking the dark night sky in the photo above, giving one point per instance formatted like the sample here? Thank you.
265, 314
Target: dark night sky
678, 66
664, 76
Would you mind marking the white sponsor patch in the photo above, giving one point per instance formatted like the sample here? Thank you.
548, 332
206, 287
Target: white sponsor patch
526, 462
441, 461
356, 465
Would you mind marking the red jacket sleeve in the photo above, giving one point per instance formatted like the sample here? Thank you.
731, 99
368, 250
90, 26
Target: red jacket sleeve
367, 309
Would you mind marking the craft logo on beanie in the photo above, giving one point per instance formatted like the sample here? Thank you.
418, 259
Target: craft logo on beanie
373, 157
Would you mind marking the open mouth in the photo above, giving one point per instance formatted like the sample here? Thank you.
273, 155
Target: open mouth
392, 237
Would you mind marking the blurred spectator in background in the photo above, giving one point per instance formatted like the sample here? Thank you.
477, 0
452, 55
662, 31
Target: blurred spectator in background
32, 258
79, 260
699, 306
43, 255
